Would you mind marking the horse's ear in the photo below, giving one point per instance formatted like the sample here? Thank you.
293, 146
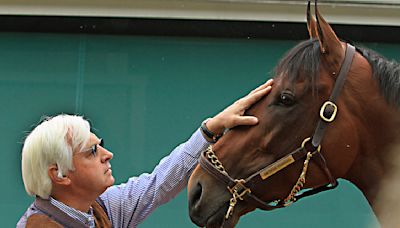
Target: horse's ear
330, 44
311, 24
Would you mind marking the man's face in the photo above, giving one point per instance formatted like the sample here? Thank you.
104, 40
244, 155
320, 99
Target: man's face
92, 174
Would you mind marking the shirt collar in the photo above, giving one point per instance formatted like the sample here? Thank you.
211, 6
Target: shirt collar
85, 218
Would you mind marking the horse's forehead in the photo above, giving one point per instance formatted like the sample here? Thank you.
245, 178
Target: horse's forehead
321, 82
284, 82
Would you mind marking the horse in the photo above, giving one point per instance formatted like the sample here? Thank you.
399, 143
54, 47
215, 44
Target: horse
333, 113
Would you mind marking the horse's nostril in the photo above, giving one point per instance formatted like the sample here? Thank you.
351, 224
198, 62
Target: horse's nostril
196, 195
195, 211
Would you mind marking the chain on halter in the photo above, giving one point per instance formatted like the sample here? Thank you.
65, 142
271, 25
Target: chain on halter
299, 184
214, 160
239, 190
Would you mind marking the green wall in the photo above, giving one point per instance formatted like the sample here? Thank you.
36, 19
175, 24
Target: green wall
145, 95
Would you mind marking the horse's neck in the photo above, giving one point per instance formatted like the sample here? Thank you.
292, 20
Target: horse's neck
377, 132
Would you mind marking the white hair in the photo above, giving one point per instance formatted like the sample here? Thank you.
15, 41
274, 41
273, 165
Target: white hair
51, 142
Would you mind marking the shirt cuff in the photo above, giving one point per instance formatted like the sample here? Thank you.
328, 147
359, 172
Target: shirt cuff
196, 144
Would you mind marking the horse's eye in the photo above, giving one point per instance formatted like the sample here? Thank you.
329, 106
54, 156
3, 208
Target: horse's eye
286, 98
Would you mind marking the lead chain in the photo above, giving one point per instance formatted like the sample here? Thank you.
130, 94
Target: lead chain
299, 184
214, 160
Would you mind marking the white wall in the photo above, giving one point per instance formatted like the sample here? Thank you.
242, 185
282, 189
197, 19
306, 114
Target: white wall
367, 12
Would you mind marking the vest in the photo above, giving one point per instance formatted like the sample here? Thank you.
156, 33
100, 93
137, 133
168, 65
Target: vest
43, 214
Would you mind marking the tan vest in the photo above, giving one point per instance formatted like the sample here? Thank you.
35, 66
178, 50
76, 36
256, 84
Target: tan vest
53, 217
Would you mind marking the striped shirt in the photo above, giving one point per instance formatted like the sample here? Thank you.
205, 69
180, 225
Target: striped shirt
128, 204
85, 218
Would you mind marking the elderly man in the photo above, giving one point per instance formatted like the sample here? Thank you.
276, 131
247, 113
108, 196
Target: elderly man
68, 170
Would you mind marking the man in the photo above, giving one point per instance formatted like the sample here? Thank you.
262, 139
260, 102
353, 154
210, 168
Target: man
68, 170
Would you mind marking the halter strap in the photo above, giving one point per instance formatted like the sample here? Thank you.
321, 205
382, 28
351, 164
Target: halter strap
322, 124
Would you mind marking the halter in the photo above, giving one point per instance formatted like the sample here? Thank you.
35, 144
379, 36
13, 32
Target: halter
241, 188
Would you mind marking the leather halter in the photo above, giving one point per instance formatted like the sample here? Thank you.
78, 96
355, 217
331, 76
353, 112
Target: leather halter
241, 188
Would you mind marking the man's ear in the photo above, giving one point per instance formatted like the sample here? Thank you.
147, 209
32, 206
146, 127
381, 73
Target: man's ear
56, 176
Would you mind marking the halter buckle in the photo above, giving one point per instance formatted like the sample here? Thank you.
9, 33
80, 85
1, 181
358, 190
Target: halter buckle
306, 140
328, 111
239, 190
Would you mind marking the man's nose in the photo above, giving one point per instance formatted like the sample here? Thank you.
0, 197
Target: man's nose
106, 155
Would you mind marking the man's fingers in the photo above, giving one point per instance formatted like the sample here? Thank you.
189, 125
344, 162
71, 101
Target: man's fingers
254, 97
233, 114
263, 86
247, 120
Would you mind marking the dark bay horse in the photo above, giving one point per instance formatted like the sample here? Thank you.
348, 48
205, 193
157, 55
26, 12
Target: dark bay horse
333, 113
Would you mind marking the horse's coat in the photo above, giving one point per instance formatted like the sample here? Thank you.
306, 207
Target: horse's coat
355, 145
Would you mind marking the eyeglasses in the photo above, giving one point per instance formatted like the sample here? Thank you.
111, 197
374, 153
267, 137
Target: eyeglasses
93, 149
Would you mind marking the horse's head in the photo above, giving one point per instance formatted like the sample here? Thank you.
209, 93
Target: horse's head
271, 159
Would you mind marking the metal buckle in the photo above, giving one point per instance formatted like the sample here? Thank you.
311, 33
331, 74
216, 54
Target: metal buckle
308, 139
239, 186
322, 111
239, 190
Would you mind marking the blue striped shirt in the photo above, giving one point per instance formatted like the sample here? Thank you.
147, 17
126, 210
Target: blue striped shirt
128, 204
85, 218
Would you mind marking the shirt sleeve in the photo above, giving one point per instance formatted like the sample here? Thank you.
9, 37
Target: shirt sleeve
128, 204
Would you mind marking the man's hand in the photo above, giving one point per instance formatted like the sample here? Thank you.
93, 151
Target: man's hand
233, 115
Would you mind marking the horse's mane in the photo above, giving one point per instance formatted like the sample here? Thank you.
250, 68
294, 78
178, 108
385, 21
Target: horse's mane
303, 61
386, 72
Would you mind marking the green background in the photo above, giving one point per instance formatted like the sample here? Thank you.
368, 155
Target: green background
145, 95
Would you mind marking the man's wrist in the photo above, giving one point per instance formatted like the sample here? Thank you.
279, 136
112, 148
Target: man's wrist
215, 125
210, 133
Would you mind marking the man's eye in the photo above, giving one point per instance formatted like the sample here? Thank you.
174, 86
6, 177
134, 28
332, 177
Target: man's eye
94, 149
